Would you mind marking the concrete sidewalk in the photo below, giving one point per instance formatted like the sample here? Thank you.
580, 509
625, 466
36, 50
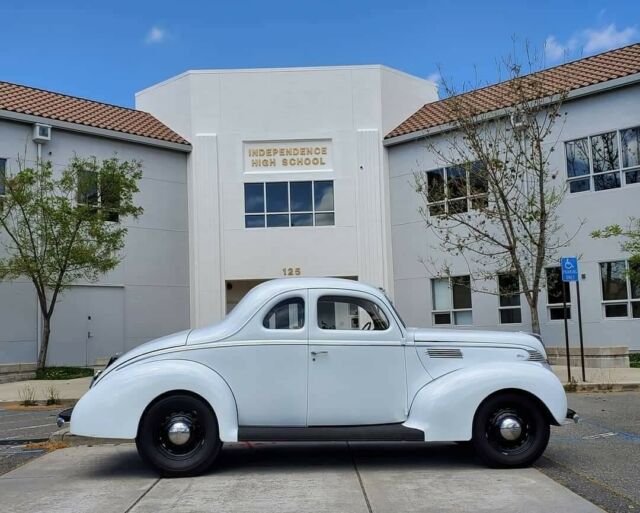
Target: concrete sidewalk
283, 478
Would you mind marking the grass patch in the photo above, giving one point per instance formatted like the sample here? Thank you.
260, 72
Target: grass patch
634, 360
63, 373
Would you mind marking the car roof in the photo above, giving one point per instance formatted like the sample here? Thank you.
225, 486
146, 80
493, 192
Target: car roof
278, 285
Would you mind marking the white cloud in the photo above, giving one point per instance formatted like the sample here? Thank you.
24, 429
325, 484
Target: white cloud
155, 35
435, 77
606, 38
589, 41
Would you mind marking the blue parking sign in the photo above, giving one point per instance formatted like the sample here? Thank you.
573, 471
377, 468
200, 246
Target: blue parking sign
569, 266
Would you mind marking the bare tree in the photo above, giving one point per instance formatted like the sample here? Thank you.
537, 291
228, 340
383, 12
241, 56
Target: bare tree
494, 203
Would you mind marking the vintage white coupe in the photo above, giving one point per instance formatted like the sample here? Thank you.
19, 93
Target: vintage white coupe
323, 359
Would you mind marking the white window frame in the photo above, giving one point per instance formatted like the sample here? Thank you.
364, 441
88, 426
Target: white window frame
557, 306
289, 212
501, 308
445, 202
452, 311
628, 302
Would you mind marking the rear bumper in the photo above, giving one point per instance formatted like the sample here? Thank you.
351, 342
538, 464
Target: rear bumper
572, 415
63, 417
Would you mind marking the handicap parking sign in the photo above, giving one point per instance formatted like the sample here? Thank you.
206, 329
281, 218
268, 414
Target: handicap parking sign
569, 266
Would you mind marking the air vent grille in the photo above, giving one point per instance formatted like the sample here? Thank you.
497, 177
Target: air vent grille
536, 356
444, 352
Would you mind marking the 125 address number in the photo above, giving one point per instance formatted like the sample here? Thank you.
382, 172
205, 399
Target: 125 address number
291, 271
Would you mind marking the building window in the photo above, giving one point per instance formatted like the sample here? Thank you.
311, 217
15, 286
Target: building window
100, 192
3, 176
350, 313
452, 300
620, 291
604, 161
456, 189
280, 204
554, 294
509, 298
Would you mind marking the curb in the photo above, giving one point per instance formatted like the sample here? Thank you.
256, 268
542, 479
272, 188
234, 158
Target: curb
602, 387
63, 435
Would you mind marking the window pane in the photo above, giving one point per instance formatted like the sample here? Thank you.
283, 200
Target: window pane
635, 308
323, 195
3, 175
630, 147
463, 318
437, 209
615, 310
614, 280
274, 220
554, 287
632, 177
88, 187
555, 313
509, 289
634, 279
458, 206
254, 221
606, 181
286, 315
277, 197
435, 185
301, 197
110, 196
480, 203
577, 158
302, 219
579, 185
510, 316
350, 313
478, 179
325, 220
604, 150
461, 292
442, 318
253, 198
456, 182
441, 294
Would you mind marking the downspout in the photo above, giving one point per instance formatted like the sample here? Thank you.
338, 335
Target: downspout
38, 312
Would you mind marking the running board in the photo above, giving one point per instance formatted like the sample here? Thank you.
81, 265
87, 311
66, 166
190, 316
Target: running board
372, 433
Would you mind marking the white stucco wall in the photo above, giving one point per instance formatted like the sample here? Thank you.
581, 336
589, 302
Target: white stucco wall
616, 109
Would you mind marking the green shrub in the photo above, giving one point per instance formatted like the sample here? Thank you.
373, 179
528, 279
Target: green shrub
63, 372
634, 360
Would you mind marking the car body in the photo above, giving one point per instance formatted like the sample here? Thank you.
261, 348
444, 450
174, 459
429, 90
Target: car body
324, 359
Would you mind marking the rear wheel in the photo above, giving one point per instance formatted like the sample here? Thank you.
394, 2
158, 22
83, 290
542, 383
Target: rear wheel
178, 436
510, 430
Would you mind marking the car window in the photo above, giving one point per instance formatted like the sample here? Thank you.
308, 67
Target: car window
286, 315
350, 313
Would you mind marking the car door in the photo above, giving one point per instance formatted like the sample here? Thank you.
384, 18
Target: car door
357, 370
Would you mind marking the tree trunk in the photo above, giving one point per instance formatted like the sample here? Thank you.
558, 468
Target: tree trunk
535, 318
44, 345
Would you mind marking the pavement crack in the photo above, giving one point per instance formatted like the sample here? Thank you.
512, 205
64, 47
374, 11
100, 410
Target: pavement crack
137, 501
355, 467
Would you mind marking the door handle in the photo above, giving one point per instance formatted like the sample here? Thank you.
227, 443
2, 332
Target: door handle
314, 354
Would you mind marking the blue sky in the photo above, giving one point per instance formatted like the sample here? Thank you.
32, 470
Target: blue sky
109, 50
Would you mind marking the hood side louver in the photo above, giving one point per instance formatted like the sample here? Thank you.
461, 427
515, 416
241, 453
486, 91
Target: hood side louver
444, 352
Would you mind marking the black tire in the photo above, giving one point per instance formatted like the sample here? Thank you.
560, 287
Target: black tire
190, 457
491, 445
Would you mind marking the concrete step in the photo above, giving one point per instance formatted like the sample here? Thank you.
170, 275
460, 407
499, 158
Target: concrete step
10, 372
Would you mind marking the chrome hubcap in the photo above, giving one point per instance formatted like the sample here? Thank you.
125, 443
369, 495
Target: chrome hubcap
510, 428
179, 432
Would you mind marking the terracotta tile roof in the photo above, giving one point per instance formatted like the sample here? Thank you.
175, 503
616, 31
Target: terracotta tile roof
60, 107
573, 75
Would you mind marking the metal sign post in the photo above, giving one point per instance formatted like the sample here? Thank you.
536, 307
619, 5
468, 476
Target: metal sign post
584, 377
569, 268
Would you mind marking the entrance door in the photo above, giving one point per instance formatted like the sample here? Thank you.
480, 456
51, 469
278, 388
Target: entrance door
87, 324
356, 361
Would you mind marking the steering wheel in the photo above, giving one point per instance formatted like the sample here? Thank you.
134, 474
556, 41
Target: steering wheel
367, 326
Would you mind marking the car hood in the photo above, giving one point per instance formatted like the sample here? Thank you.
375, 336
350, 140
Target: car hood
480, 337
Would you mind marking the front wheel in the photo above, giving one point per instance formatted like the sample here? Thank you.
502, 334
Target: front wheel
510, 430
178, 436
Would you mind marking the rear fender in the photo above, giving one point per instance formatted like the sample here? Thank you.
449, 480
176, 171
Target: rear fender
114, 406
445, 407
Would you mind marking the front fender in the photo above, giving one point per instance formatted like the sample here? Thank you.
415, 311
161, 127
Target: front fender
444, 408
114, 406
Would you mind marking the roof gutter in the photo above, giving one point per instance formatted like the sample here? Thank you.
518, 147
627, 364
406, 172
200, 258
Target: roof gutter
572, 95
101, 132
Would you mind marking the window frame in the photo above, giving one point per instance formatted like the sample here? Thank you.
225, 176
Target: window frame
628, 302
347, 299
557, 306
445, 203
289, 213
451, 311
621, 170
500, 295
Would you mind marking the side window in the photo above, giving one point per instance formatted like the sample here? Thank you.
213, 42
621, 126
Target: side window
350, 313
286, 315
